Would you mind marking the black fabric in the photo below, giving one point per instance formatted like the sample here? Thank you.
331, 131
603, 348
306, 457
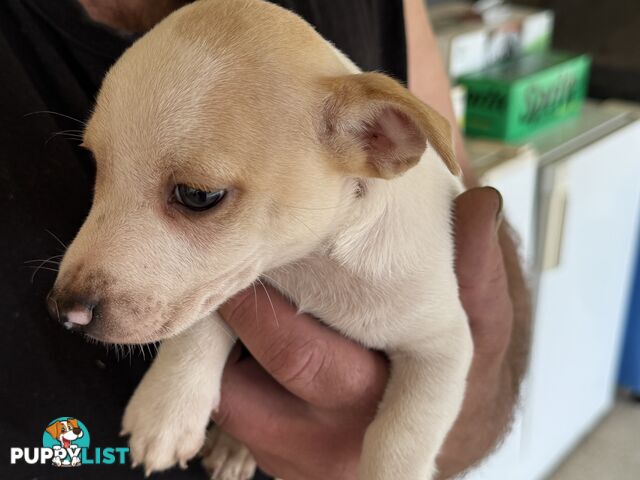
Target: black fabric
370, 32
52, 58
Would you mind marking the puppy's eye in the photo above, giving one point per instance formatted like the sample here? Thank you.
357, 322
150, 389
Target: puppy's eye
197, 200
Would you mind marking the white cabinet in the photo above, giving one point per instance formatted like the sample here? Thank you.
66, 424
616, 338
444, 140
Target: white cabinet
585, 209
582, 295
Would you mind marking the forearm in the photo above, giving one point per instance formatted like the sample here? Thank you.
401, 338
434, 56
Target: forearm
428, 79
491, 398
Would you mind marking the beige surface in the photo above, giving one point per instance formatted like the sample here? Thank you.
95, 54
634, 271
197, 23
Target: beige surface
610, 452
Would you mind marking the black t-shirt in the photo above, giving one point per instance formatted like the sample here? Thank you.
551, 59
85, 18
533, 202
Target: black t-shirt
52, 59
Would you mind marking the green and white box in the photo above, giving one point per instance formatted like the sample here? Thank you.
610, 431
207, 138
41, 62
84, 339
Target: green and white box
512, 100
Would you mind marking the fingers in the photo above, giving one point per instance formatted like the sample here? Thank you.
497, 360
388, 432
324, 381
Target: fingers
476, 221
480, 269
308, 358
253, 406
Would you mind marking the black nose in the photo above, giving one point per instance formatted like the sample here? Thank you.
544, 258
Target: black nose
74, 313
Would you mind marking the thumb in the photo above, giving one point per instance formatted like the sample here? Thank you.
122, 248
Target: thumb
477, 217
482, 278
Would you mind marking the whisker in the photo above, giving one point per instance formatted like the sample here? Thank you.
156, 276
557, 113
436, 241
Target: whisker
273, 282
50, 112
54, 262
37, 268
64, 135
49, 258
71, 136
255, 300
57, 238
275, 316
55, 302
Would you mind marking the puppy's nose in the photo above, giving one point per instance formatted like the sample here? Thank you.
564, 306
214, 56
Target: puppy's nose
78, 316
72, 313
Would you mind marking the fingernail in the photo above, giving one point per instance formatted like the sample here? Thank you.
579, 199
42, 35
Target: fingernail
500, 203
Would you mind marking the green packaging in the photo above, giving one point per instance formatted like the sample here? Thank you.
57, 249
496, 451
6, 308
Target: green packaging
513, 100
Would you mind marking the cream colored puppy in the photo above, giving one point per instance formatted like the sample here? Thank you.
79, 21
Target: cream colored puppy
232, 142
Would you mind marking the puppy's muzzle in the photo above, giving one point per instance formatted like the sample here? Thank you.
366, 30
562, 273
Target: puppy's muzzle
73, 312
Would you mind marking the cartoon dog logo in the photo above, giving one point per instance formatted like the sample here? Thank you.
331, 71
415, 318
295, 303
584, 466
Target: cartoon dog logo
66, 432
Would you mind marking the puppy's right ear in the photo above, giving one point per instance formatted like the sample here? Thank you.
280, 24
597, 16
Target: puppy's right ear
54, 430
374, 127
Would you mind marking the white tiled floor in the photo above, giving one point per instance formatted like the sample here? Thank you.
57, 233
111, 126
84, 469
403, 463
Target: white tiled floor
611, 451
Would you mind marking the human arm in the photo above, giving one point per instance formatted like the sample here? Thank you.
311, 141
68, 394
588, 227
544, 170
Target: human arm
428, 79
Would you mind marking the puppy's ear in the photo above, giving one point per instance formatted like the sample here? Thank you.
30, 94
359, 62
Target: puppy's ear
375, 128
73, 422
54, 429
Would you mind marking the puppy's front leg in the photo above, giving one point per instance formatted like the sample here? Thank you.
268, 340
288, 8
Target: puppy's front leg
169, 412
422, 400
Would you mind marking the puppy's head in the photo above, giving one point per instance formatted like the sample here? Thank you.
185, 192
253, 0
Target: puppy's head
229, 140
69, 429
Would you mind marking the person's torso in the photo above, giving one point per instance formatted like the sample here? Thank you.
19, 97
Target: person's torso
53, 60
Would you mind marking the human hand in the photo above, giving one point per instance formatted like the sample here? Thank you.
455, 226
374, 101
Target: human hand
303, 400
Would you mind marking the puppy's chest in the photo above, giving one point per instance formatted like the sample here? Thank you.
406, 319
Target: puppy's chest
374, 312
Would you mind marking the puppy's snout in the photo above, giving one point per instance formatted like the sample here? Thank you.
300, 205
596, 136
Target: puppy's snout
73, 312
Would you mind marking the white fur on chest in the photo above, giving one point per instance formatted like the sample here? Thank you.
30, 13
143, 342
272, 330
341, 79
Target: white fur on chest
379, 278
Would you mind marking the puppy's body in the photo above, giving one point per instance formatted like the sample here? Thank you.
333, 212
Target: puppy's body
379, 284
322, 202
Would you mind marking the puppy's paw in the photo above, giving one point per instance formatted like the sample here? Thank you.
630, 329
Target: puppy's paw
225, 458
164, 430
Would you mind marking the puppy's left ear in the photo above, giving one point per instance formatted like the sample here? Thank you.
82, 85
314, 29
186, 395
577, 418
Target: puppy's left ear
54, 430
374, 127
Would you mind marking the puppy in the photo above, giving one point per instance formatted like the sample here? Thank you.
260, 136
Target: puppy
231, 143
66, 432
